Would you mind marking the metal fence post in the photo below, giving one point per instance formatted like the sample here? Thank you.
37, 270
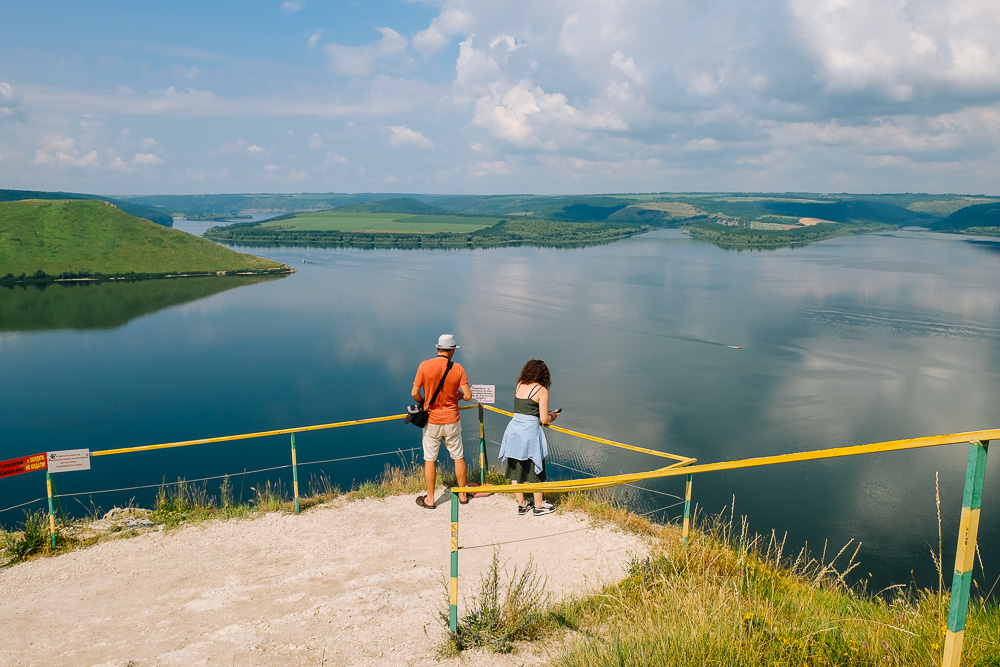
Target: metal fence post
482, 447
453, 588
295, 475
968, 530
687, 510
52, 512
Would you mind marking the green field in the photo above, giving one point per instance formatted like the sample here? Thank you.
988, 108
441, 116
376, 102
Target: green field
946, 207
74, 236
399, 223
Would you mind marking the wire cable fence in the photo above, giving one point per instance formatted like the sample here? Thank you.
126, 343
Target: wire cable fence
679, 465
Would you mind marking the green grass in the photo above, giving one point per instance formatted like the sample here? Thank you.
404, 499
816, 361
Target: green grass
57, 236
945, 207
381, 222
734, 598
508, 608
729, 597
32, 539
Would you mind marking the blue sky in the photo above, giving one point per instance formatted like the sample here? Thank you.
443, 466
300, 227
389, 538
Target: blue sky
505, 96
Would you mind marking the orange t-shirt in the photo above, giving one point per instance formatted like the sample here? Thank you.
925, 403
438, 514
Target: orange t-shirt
445, 408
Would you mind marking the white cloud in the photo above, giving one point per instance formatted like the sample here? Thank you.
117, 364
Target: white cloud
138, 161
147, 160
490, 169
629, 94
626, 66
706, 144
231, 148
403, 137
515, 114
10, 103
292, 6
474, 65
902, 50
91, 121
314, 39
187, 73
333, 159
362, 60
450, 22
65, 152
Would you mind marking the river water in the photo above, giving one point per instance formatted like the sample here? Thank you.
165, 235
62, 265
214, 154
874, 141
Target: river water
844, 342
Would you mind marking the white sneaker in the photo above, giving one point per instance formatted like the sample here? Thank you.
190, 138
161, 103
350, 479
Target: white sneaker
544, 508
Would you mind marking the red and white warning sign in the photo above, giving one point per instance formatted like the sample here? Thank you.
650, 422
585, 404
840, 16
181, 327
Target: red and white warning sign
22, 464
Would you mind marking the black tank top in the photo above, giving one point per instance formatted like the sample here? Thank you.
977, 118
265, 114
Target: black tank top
526, 406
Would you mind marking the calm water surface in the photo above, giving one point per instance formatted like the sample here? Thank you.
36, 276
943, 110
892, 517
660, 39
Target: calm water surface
844, 342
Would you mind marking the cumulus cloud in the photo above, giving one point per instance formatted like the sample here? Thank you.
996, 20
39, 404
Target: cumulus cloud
902, 51
137, 162
630, 94
403, 137
474, 65
515, 113
65, 152
362, 60
452, 20
626, 66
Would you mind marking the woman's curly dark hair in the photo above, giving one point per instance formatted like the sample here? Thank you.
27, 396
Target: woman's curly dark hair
535, 371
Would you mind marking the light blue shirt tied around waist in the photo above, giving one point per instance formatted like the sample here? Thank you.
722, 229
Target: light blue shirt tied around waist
524, 439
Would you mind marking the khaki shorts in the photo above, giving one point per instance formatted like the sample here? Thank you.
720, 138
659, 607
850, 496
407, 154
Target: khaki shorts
452, 434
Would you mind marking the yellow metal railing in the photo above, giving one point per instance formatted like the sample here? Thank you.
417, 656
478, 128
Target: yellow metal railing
680, 465
968, 530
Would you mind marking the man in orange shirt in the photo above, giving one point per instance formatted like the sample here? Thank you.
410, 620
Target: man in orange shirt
444, 418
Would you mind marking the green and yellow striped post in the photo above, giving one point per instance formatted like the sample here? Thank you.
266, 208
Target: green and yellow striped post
968, 530
453, 587
52, 511
295, 475
687, 510
482, 447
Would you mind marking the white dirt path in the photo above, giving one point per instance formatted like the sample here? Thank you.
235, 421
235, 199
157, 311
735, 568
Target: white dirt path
347, 583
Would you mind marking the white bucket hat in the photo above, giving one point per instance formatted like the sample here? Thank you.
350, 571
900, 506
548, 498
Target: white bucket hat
447, 342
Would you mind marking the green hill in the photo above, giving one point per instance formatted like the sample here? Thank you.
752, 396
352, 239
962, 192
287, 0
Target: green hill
132, 208
977, 217
58, 237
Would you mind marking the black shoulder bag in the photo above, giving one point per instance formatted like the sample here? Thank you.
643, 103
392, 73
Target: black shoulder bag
416, 414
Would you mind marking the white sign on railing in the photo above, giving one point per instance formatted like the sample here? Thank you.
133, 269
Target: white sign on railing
69, 460
484, 393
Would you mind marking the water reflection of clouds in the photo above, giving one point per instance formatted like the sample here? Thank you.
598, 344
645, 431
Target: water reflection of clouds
936, 279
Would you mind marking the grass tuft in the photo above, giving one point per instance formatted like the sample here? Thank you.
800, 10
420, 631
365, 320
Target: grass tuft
505, 610
33, 538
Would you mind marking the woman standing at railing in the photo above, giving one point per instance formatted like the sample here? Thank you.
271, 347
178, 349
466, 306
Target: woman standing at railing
524, 447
